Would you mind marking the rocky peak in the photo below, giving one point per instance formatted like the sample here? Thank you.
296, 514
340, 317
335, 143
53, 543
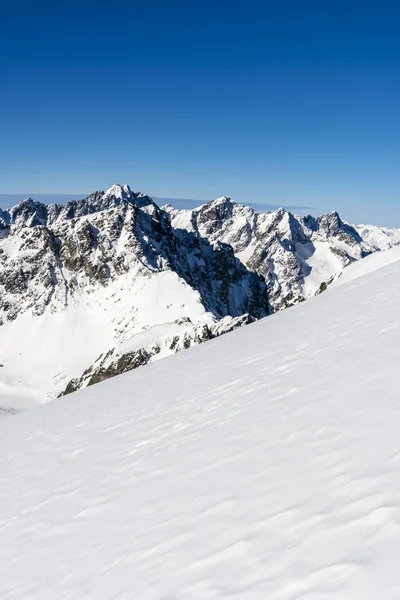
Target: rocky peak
310, 223
225, 220
118, 194
99, 201
122, 192
331, 225
285, 227
214, 213
294, 255
28, 213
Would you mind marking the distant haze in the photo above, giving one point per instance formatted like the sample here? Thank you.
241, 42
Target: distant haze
261, 207
9, 200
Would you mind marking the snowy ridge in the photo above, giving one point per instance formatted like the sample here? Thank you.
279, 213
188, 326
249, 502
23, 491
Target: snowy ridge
263, 464
295, 255
380, 238
155, 343
370, 264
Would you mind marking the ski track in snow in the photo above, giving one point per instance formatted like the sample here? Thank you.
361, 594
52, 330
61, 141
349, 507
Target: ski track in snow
264, 464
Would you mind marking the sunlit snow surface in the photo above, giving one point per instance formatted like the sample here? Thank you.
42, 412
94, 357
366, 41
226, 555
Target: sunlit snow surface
262, 465
42, 353
368, 265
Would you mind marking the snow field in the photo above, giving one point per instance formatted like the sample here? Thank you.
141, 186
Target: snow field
263, 464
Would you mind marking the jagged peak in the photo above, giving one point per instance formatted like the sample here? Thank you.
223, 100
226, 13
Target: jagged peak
126, 188
27, 203
101, 200
29, 212
28, 200
332, 217
279, 211
226, 204
223, 199
280, 215
310, 222
287, 225
122, 192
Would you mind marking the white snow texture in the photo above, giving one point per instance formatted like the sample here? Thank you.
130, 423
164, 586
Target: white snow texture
263, 464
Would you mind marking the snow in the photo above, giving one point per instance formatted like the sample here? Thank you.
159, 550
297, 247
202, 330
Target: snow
296, 255
381, 238
322, 263
263, 464
182, 219
72, 339
368, 265
247, 253
117, 191
91, 280
12, 402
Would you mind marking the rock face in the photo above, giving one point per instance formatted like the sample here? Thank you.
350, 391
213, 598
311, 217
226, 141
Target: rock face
295, 255
111, 282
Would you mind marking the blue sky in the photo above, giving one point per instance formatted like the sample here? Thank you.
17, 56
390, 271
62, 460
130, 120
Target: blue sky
281, 103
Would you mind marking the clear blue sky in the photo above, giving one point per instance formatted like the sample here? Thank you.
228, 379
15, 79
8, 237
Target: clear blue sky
283, 102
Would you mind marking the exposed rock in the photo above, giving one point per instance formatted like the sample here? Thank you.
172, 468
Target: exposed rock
49, 253
136, 282
117, 361
294, 255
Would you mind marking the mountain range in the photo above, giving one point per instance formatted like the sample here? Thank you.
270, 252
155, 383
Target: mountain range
104, 284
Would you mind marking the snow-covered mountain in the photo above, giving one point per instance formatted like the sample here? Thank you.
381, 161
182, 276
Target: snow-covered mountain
51, 253
86, 278
295, 255
111, 282
263, 464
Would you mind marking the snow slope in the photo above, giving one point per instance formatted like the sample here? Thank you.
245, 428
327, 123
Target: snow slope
368, 265
40, 355
263, 464
380, 238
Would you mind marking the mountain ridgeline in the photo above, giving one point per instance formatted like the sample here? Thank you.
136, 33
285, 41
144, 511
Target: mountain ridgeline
59, 252
296, 256
136, 282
